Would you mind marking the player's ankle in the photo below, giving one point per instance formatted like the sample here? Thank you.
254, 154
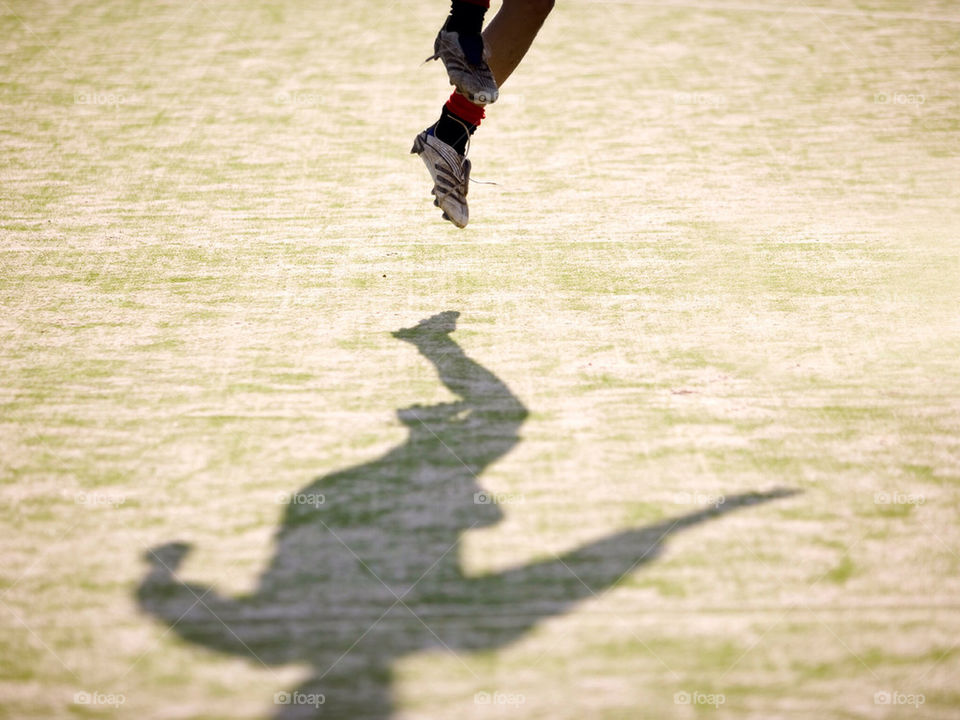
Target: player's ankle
453, 130
458, 121
466, 17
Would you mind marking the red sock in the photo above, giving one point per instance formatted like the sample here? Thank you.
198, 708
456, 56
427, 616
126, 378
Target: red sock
469, 112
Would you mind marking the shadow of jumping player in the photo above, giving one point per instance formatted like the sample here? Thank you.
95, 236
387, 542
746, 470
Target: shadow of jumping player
366, 568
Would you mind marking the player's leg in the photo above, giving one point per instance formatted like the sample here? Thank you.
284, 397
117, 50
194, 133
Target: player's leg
459, 45
443, 146
507, 38
446, 160
511, 32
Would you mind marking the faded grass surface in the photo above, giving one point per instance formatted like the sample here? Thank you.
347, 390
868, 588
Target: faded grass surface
721, 257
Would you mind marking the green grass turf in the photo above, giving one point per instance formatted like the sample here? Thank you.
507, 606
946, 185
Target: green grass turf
721, 257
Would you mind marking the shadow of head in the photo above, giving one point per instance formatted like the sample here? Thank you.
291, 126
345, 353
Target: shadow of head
451, 443
435, 327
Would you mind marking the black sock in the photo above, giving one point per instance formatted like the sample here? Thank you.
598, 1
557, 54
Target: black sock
453, 130
465, 18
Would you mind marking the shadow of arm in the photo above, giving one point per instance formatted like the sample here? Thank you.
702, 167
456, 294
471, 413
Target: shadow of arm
479, 388
194, 612
518, 598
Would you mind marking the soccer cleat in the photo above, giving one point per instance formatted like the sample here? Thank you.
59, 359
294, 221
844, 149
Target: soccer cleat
471, 76
451, 176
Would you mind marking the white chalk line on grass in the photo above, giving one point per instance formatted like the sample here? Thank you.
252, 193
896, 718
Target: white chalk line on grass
791, 9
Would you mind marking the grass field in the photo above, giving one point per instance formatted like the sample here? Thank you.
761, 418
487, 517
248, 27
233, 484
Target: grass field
705, 365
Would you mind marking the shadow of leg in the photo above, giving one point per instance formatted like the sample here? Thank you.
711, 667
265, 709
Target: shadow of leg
352, 691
